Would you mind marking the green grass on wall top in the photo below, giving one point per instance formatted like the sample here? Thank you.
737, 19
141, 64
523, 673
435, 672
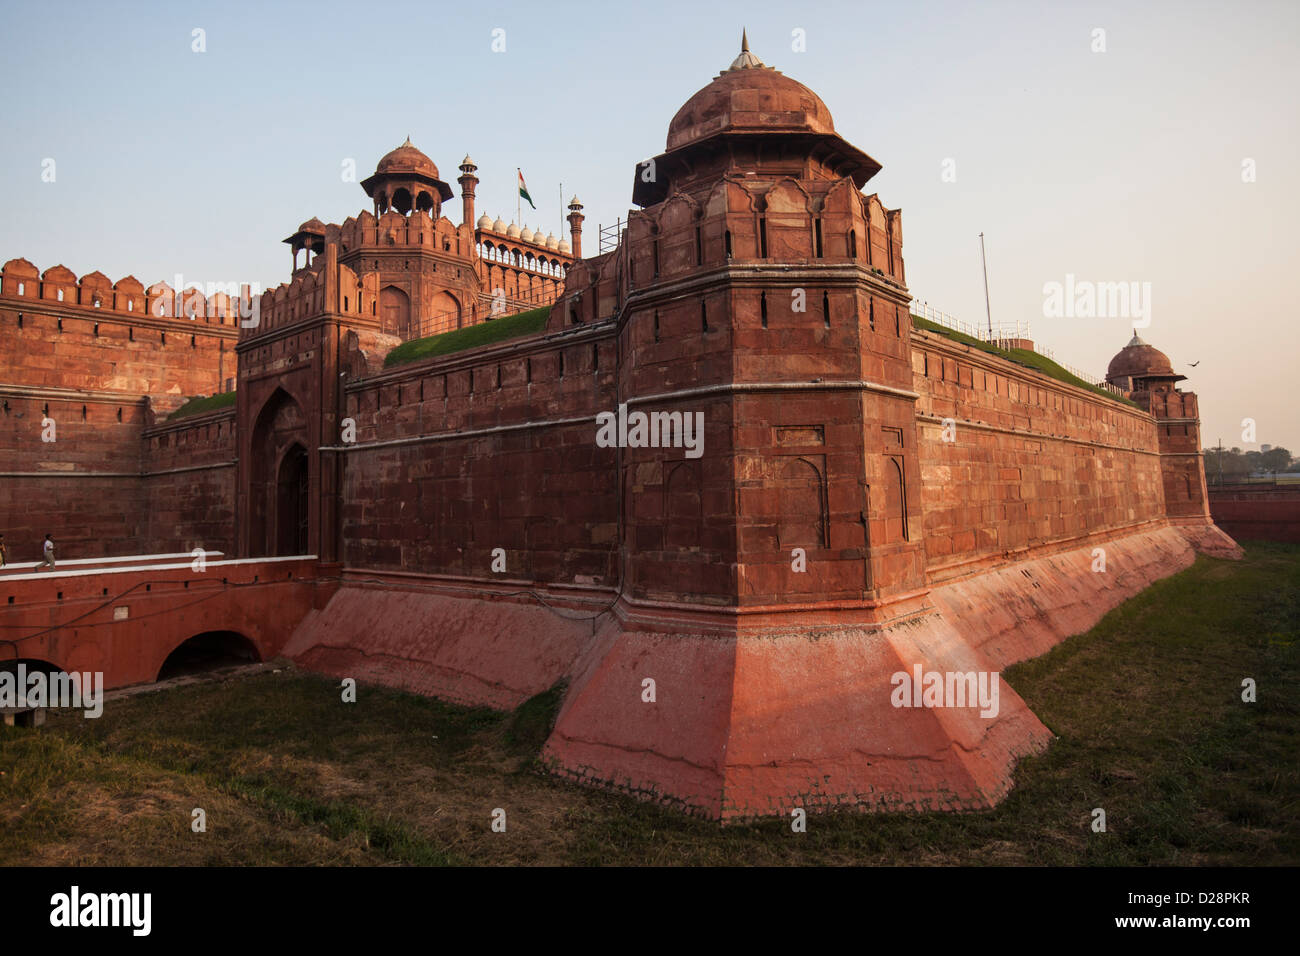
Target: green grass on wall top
1025, 357
470, 337
197, 406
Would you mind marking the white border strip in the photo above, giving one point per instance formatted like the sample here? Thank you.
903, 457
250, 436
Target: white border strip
117, 560
188, 565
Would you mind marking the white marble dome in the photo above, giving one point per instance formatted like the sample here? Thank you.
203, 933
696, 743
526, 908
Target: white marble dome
526, 234
565, 247
512, 231
484, 222
499, 225
551, 241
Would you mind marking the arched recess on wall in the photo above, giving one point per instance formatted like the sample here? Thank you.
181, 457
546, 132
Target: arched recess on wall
446, 312
802, 502
280, 426
394, 310
895, 501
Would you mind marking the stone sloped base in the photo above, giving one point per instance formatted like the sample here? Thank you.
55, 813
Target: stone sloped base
746, 725
464, 650
1025, 609
749, 726
1209, 539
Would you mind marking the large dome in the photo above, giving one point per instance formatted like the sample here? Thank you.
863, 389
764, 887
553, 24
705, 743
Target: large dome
749, 96
755, 104
1138, 360
407, 159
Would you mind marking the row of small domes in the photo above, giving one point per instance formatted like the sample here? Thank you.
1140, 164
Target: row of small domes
525, 234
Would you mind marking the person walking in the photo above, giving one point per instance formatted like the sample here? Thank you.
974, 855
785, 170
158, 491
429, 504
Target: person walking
49, 553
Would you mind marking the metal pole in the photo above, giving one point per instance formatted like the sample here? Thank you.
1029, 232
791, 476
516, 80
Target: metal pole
984, 266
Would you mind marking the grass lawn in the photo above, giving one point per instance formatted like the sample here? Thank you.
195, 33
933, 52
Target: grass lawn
1146, 707
470, 337
197, 406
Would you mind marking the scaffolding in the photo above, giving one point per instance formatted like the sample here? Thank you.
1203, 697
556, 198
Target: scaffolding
610, 236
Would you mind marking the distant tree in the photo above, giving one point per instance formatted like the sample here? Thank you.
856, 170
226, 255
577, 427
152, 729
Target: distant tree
1276, 459
1234, 464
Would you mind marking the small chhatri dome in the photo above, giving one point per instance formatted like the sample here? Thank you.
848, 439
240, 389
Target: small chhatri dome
551, 241
484, 222
406, 180
512, 231
467, 164
499, 226
564, 247
407, 159
526, 234
1139, 360
310, 235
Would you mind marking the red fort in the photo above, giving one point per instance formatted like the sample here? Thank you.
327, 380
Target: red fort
870, 497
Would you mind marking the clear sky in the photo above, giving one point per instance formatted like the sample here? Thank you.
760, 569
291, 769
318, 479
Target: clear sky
1122, 165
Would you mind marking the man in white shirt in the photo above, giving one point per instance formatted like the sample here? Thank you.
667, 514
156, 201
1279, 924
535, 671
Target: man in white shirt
49, 554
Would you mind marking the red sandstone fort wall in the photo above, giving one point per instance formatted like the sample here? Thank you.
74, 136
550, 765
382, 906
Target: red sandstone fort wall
189, 484
84, 487
1034, 464
71, 343
85, 367
523, 473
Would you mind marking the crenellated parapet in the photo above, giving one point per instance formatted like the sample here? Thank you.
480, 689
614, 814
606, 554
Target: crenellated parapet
58, 288
363, 232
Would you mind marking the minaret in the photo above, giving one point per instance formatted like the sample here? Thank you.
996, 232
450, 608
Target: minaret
467, 182
575, 226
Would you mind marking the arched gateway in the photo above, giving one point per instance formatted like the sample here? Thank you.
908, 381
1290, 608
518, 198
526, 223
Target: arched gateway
280, 471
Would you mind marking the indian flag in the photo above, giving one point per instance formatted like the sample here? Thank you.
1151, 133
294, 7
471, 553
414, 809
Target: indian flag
523, 189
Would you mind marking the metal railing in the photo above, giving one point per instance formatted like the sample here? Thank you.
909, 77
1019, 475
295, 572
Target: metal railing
1004, 336
451, 319
1004, 332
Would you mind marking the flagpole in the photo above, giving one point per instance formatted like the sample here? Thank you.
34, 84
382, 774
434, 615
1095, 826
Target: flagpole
561, 233
519, 199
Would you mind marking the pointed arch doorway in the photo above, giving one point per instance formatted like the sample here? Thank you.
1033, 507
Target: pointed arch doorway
279, 475
291, 496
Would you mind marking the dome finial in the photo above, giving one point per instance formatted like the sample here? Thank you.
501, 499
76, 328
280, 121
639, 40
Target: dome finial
746, 60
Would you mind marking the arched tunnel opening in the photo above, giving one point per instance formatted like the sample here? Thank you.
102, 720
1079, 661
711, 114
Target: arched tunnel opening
209, 651
25, 716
